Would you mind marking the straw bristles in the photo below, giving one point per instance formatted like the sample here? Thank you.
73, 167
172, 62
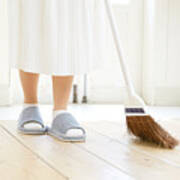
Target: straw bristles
147, 129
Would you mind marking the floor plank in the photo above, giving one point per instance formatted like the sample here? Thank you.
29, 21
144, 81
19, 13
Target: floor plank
132, 161
162, 158
18, 163
118, 132
73, 161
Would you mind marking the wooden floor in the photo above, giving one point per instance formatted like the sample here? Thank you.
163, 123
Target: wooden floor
108, 154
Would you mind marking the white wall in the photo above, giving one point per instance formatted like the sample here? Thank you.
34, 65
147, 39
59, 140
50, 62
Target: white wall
162, 52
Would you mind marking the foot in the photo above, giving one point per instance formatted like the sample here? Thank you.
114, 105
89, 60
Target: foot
30, 121
66, 128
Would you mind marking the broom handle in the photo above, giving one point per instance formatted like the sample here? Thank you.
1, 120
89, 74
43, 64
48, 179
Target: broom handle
128, 81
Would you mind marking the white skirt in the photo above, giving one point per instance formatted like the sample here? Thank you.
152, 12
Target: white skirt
57, 37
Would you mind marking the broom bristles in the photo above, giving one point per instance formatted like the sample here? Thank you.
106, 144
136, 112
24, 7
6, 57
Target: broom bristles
145, 128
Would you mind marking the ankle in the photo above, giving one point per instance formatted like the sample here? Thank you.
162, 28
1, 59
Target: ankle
31, 101
57, 112
59, 108
26, 105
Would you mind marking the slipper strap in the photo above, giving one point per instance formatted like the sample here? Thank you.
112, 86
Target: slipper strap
65, 122
30, 115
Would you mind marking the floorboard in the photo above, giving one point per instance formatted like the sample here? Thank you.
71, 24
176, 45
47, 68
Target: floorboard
18, 163
108, 154
169, 159
68, 158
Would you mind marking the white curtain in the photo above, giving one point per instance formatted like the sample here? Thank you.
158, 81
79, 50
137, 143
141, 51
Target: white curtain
4, 67
141, 24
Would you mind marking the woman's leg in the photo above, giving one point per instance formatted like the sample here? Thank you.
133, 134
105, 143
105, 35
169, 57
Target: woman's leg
61, 91
29, 82
62, 86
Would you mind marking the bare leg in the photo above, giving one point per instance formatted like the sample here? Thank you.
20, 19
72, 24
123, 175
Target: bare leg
29, 82
61, 90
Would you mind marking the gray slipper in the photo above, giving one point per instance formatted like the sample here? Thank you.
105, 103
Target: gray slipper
31, 115
64, 122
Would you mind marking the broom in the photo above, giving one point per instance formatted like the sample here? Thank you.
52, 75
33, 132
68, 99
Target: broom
139, 123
